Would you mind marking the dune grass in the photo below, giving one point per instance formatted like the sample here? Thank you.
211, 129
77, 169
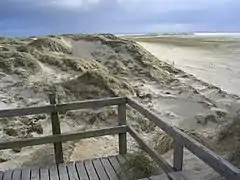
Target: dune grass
139, 165
50, 44
162, 142
229, 138
9, 60
97, 84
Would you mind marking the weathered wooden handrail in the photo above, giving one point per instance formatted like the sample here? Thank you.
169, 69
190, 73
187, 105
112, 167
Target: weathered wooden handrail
62, 137
219, 164
63, 107
53, 109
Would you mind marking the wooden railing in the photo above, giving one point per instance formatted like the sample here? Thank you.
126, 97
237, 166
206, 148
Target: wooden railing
181, 139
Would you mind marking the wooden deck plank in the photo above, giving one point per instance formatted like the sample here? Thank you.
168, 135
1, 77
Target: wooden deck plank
81, 171
92, 175
26, 174
109, 169
99, 169
35, 175
53, 173
7, 175
117, 167
63, 173
44, 174
17, 174
72, 171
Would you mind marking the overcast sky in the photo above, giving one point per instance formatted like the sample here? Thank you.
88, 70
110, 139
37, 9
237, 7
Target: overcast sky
40, 17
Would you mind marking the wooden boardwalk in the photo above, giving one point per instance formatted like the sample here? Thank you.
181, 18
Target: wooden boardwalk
106, 168
109, 168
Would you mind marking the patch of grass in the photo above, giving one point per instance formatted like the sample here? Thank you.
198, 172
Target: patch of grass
97, 84
201, 139
232, 128
11, 41
70, 63
13, 59
50, 44
83, 64
139, 165
229, 138
116, 66
25, 48
92, 37
143, 61
234, 156
139, 122
162, 142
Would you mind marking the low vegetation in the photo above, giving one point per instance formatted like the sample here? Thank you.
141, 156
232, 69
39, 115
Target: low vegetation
162, 142
10, 60
70, 63
50, 44
139, 165
97, 84
229, 138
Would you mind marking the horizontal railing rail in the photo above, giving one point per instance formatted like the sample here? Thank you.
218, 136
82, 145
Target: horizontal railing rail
57, 138
62, 137
63, 107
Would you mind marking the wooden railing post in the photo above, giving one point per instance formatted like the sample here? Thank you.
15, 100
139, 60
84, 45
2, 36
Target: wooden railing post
56, 130
177, 156
122, 121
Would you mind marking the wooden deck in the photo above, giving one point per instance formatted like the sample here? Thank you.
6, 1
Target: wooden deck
109, 168
106, 168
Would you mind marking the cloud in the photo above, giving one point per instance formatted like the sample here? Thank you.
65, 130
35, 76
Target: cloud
170, 5
65, 4
63, 16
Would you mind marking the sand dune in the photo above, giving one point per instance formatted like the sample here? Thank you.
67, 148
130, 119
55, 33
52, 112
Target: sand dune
78, 67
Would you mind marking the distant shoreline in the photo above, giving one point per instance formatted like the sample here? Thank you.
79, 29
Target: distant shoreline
222, 34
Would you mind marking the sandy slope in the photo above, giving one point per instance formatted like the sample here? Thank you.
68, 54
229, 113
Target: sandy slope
214, 67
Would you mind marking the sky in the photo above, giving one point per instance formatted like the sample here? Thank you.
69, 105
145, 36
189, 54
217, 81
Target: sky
41, 17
